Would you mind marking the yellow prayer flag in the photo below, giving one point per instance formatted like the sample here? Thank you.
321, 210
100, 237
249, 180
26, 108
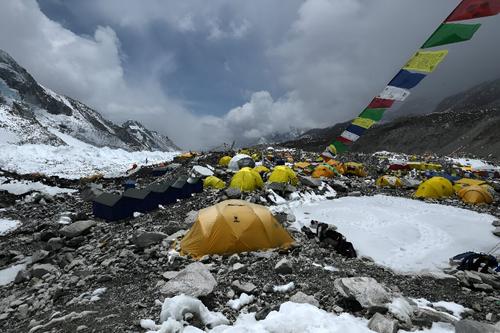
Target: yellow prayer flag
363, 122
426, 61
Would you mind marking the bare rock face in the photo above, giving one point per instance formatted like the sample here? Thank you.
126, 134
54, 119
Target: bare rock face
77, 228
194, 280
367, 291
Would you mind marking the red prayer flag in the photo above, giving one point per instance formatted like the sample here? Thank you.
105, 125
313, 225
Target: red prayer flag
380, 103
471, 9
344, 140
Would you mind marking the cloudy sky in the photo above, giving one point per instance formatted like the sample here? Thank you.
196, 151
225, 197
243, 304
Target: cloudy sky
235, 69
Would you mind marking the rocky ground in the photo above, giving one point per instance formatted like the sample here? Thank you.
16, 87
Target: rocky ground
95, 276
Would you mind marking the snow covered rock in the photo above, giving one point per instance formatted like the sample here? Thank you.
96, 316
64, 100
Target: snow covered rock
77, 228
470, 326
300, 297
194, 280
310, 181
367, 291
381, 324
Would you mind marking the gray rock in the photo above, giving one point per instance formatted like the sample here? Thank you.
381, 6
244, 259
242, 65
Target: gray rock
39, 255
39, 270
300, 297
496, 232
246, 287
176, 235
146, 239
496, 223
75, 241
433, 316
310, 181
77, 228
367, 291
21, 276
23, 310
283, 266
169, 275
239, 268
55, 243
381, 324
233, 193
482, 287
472, 277
470, 326
194, 280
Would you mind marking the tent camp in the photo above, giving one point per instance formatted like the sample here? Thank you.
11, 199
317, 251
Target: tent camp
475, 194
283, 174
224, 161
435, 188
246, 180
461, 183
261, 169
389, 181
241, 161
111, 207
214, 182
234, 226
355, 169
324, 170
140, 200
162, 194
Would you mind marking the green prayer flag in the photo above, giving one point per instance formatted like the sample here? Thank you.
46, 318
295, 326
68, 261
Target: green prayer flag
373, 114
339, 147
449, 33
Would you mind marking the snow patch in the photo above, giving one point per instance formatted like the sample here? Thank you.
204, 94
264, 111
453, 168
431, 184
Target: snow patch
7, 226
237, 304
403, 234
7, 275
21, 187
284, 288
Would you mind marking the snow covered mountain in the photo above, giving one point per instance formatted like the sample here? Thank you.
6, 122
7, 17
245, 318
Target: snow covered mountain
31, 113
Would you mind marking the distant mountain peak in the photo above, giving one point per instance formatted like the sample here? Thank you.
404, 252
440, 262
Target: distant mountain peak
32, 113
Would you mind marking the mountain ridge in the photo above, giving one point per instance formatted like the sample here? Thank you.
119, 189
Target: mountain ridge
32, 113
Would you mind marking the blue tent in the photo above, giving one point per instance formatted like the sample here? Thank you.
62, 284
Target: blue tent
162, 194
182, 187
140, 200
196, 186
111, 207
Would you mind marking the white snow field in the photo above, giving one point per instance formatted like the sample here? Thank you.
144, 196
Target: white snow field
75, 161
403, 234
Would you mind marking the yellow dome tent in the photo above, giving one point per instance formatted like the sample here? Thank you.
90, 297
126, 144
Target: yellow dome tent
337, 165
475, 194
283, 174
301, 165
246, 180
323, 170
234, 226
389, 181
214, 182
261, 169
356, 169
224, 161
435, 188
461, 183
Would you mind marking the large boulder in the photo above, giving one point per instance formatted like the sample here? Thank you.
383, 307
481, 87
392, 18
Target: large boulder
77, 228
194, 280
300, 297
471, 326
381, 324
39, 270
367, 291
146, 239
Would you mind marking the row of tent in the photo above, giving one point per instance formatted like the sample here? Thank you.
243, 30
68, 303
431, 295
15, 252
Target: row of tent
113, 207
472, 191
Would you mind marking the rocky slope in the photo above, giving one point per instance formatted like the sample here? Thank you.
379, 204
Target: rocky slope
31, 113
465, 123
